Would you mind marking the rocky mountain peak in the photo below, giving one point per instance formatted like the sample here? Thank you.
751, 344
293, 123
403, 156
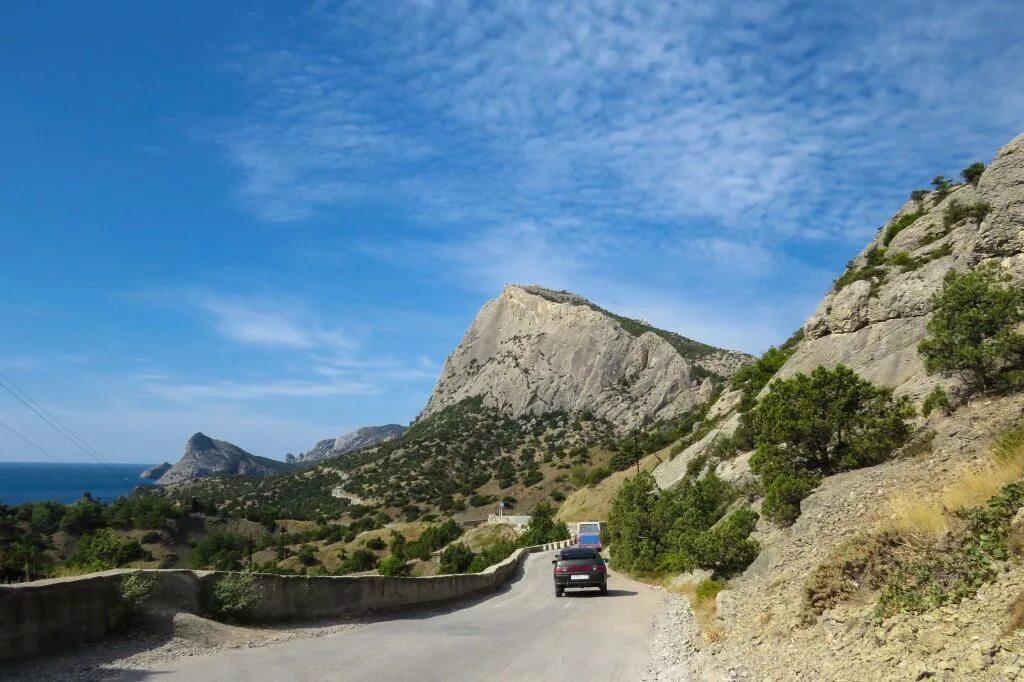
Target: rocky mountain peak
205, 456
362, 437
537, 350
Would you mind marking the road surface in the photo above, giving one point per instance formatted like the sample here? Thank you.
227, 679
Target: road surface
522, 633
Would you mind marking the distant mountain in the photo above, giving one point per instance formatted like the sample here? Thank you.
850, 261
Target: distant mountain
155, 472
355, 440
535, 350
205, 456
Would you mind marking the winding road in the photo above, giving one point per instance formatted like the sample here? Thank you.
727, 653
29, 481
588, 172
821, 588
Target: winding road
521, 633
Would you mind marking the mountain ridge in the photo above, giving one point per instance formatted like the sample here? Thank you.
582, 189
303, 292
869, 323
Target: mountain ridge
205, 457
363, 437
533, 349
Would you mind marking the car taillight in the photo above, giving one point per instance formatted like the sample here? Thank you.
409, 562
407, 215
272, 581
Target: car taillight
597, 568
561, 569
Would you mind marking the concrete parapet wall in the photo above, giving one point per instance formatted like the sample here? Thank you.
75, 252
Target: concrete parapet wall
51, 615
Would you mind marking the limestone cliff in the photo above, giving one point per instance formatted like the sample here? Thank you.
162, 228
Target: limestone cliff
154, 472
363, 437
534, 350
873, 325
205, 456
876, 313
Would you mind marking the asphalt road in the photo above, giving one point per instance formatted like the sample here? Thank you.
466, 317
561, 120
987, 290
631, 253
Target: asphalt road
523, 633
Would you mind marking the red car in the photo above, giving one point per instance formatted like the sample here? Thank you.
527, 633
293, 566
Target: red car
577, 567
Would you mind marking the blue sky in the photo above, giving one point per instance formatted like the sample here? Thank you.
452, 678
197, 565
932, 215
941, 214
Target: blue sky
272, 222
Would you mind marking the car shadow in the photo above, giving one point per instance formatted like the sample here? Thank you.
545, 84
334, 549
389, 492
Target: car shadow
597, 593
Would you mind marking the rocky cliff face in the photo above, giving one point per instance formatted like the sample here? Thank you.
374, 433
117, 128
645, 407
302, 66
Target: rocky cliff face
876, 314
205, 456
872, 321
350, 442
874, 325
155, 472
534, 350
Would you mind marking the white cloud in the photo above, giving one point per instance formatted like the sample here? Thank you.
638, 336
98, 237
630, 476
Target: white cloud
263, 322
230, 390
781, 118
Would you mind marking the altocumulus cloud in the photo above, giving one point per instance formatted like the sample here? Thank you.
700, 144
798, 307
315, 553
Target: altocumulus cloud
700, 148
779, 116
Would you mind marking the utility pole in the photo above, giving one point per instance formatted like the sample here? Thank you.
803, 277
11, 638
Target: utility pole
636, 448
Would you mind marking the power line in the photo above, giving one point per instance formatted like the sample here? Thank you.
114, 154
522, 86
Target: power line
25, 399
37, 447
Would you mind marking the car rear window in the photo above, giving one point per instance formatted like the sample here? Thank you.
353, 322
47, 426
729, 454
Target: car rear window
570, 554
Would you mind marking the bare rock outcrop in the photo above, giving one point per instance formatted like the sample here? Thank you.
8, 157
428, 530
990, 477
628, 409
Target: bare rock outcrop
877, 313
873, 325
534, 350
154, 472
363, 437
872, 322
205, 456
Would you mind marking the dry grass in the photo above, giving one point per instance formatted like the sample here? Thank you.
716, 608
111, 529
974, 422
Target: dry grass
594, 502
702, 604
1014, 615
924, 519
911, 524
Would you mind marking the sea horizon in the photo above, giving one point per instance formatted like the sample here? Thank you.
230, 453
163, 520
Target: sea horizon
28, 481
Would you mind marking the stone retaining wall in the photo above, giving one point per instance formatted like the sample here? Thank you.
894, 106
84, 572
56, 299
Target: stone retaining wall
51, 615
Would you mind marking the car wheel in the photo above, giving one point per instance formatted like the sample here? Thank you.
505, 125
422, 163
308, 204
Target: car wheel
558, 591
604, 589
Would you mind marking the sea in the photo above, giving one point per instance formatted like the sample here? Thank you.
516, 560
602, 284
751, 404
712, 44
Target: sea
38, 481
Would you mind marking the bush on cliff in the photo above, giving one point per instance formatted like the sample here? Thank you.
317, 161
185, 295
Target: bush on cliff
816, 425
973, 333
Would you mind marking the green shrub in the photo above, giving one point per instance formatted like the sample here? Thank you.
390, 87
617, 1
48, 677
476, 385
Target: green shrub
307, 554
106, 550
709, 588
783, 493
543, 528
955, 212
359, 561
397, 546
949, 574
134, 592
375, 543
973, 332
727, 548
456, 559
753, 377
498, 550
918, 195
654, 531
392, 566
83, 518
533, 477
900, 224
942, 186
857, 274
902, 259
233, 596
937, 399
581, 476
972, 173
816, 425
219, 551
